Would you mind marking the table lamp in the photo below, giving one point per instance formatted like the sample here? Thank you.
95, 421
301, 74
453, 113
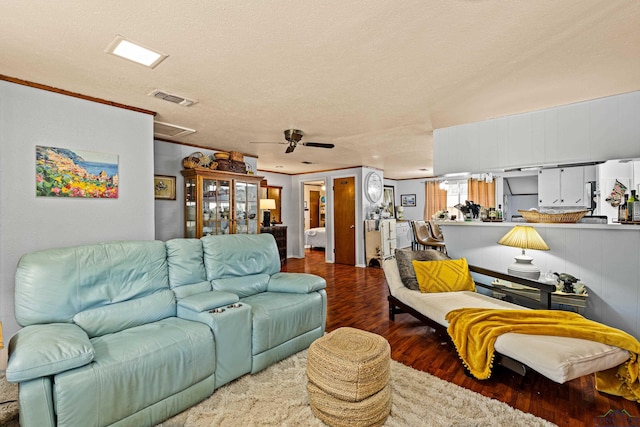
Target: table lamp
267, 205
524, 237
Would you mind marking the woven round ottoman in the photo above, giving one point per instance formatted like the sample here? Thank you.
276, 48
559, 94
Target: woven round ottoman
348, 372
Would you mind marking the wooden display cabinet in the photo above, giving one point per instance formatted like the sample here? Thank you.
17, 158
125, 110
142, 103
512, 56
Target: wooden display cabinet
218, 202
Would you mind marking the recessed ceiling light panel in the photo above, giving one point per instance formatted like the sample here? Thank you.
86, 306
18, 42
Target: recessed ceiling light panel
135, 52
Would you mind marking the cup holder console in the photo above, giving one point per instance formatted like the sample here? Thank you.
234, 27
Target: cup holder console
221, 310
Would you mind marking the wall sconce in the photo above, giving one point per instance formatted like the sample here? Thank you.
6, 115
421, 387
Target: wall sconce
524, 237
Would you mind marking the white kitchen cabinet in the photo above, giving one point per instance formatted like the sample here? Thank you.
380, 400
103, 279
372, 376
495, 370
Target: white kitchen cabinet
628, 125
520, 147
595, 130
562, 187
573, 133
603, 127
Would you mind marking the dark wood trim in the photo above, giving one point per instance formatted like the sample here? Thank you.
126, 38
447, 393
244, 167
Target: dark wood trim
74, 94
200, 146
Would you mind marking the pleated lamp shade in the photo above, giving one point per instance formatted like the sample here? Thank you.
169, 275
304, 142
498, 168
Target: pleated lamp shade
524, 237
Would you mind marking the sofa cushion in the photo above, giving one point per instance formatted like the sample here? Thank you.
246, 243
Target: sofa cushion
185, 261
297, 283
444, 276
242, 286
405, 267
279, 317
186, 291
53, 285
127, 314
47, 350
207, 300
134, 369
239, 255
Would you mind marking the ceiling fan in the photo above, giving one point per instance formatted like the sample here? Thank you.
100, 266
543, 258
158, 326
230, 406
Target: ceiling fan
293, 137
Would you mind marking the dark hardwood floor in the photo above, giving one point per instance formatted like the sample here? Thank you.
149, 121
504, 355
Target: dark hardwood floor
357, 298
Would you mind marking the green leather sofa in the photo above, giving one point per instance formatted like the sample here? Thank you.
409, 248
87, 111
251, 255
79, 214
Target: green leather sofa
130, 333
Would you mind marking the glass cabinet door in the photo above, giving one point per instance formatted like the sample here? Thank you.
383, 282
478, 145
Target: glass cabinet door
253, 219
224, 207
190, 197
215, 207
246, 207
220, 203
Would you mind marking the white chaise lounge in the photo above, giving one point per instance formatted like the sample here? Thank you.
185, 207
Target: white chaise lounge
560, 359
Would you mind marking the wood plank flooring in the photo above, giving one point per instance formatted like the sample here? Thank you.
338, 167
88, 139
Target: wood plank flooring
357, 298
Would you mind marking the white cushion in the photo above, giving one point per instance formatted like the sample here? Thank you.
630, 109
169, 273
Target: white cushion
560, 359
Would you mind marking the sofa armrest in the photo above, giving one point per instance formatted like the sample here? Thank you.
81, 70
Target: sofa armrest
296, 283
42, 350
207, 300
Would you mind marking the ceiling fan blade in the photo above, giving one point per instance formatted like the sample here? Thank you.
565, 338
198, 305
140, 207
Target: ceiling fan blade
318, 144
290, 148
267, 142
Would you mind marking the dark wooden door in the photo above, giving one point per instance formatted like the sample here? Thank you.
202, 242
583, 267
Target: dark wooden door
344, 214
314, 209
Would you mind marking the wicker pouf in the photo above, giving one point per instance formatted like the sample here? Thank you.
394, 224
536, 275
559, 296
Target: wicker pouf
348, 372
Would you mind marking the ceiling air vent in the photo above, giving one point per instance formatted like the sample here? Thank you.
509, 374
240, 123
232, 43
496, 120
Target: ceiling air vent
167, 130
176, 99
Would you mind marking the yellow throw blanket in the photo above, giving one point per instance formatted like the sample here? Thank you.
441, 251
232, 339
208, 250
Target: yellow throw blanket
474, 332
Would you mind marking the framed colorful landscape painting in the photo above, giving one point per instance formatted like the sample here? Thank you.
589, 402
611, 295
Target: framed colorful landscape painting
62, 172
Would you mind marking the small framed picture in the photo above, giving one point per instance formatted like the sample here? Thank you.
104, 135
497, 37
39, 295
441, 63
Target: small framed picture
408, 200
164, 187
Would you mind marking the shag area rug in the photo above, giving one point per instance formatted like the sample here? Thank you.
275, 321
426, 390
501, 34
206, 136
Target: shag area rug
8, 403
277, 396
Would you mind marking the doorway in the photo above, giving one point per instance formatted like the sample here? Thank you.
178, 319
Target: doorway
315, 236
344, 214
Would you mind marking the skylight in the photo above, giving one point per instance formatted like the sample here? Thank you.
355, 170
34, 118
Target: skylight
134, 52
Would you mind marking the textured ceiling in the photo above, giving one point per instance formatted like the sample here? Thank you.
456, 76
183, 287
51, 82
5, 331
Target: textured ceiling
373, 77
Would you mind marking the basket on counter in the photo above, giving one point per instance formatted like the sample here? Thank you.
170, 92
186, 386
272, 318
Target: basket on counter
551, 218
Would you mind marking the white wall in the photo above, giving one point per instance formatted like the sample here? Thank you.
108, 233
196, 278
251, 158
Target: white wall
411, 186
30, 117
169, 218
287, 208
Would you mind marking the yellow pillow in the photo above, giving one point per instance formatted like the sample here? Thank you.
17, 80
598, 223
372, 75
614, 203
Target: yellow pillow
444, 276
